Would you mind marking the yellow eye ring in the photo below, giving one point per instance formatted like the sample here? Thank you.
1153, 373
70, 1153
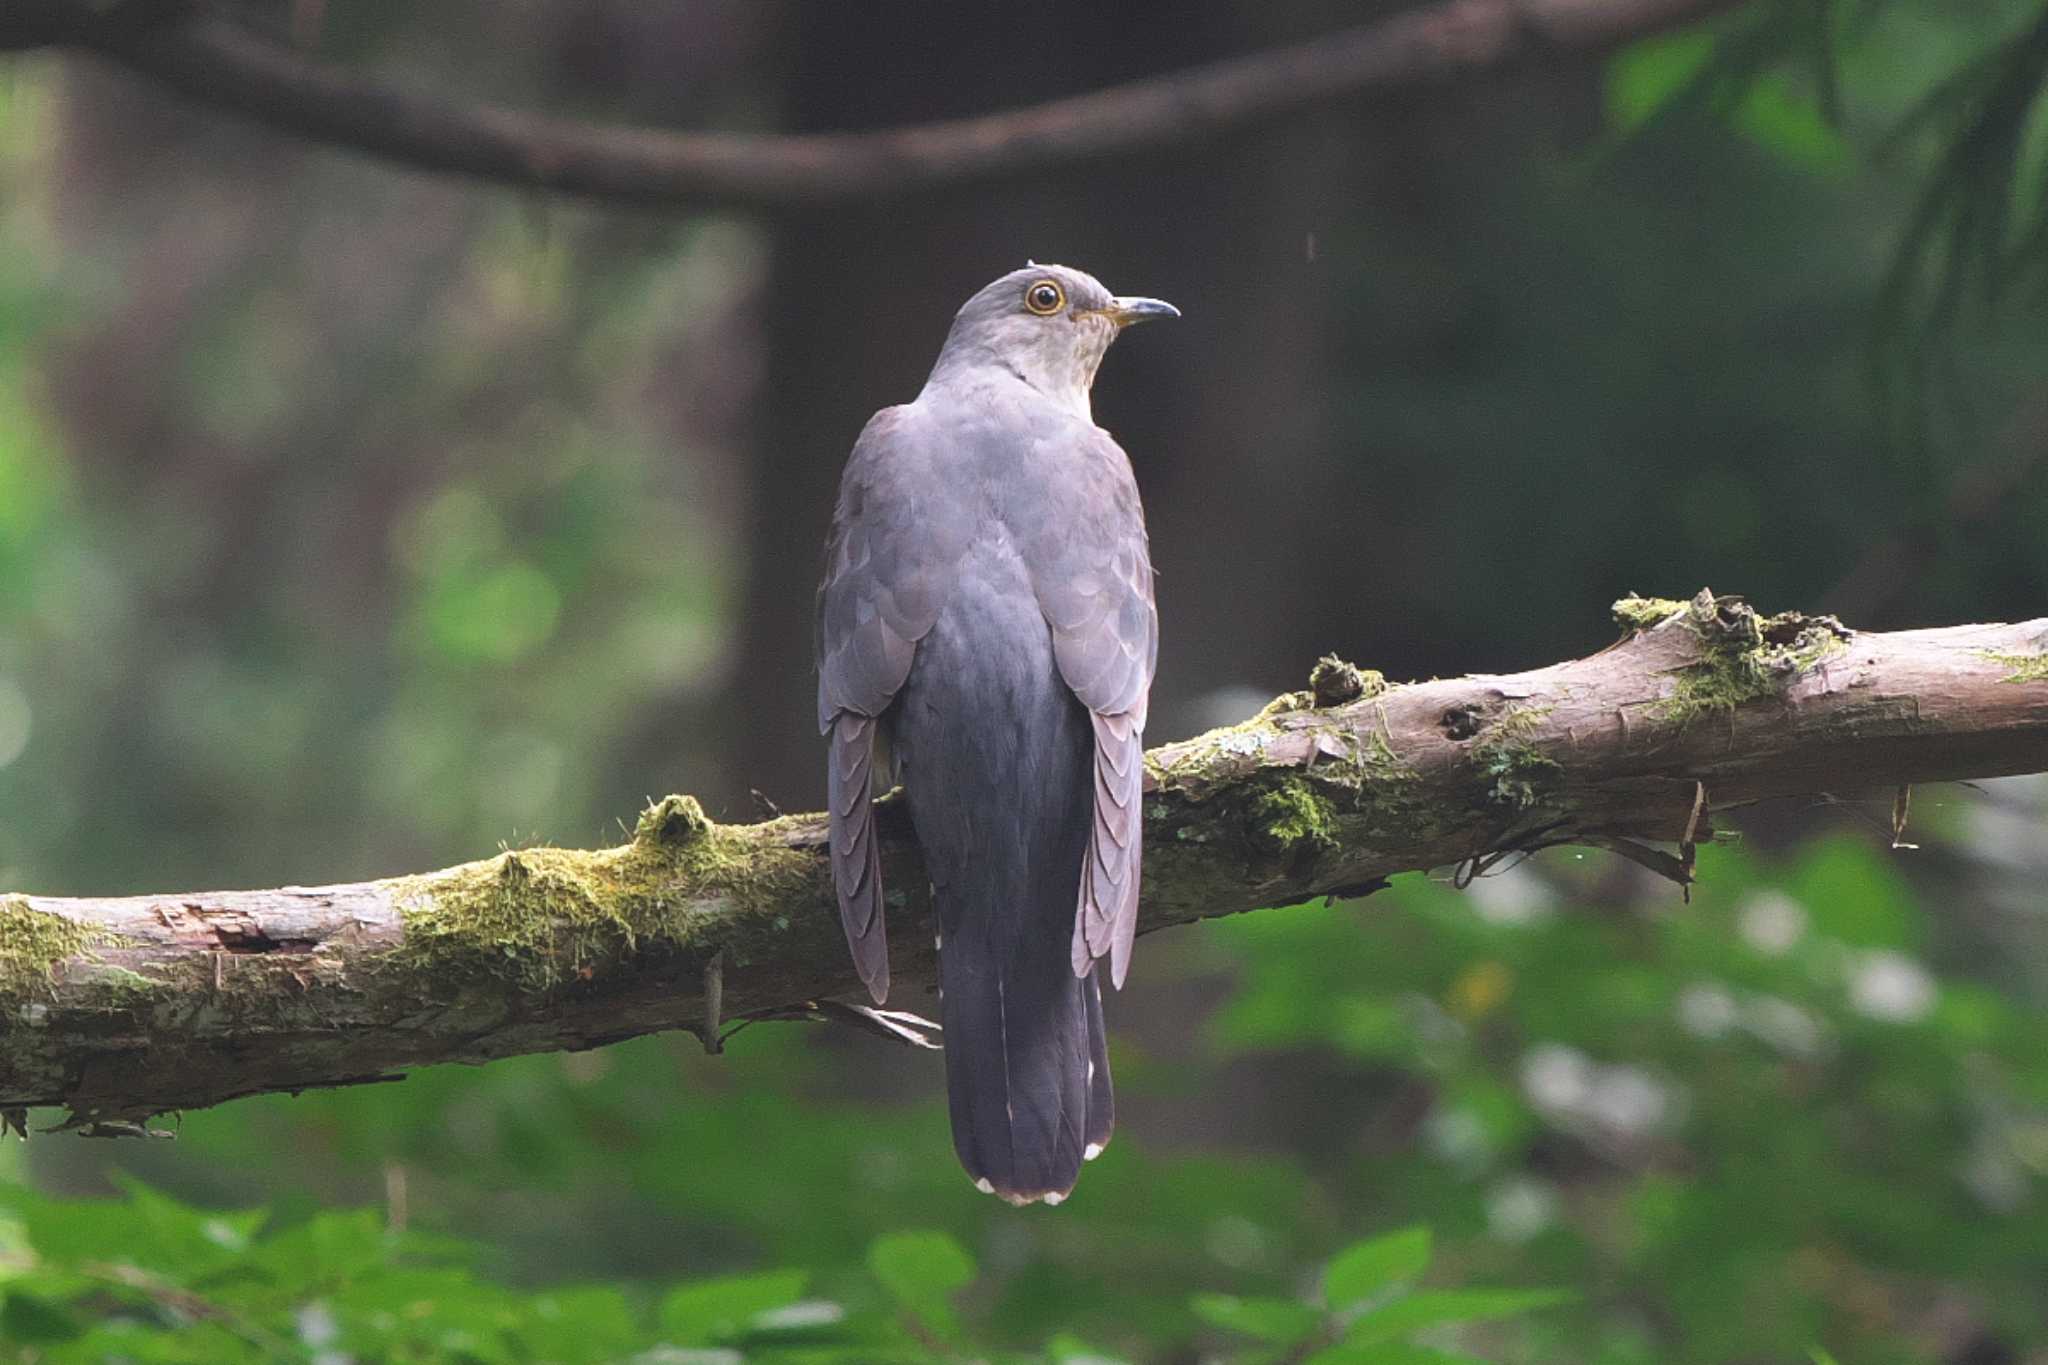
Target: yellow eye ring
1045, 297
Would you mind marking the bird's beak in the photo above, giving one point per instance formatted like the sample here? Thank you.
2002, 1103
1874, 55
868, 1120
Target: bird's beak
1125, 311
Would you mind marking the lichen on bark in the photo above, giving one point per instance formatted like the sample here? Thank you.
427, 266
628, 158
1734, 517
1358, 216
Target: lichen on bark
2025, 667
33, 942
1744, 657
1518, 774
536, 916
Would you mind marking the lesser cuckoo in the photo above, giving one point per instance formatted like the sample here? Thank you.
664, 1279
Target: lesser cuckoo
987, 612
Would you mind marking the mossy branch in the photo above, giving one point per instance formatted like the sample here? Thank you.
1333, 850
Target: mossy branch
121, 1009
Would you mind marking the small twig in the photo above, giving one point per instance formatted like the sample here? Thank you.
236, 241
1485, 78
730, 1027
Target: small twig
1688, 847
182, 1304
1659, 862
110, 1128
714, 1002
1902, 808
898, 1026
397, 1199
1533, 840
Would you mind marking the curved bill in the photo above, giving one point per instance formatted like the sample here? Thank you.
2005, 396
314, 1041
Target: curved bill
1125, 311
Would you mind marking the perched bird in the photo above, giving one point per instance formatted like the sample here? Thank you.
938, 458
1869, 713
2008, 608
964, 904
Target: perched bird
987, 612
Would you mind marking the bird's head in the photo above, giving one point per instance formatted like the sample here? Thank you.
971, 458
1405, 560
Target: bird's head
1048, 325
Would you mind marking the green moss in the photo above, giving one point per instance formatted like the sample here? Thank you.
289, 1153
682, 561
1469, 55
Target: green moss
1352, 790
673, 821
537, 916
119, 987
1519, 775
1294, 818
33, 942
1279, 706
1642, 613
1746, 657
2026, 668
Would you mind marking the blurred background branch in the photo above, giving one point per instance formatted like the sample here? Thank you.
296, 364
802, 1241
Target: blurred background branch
223, 62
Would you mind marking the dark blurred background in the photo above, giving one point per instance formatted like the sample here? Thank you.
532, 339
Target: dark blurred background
356, 520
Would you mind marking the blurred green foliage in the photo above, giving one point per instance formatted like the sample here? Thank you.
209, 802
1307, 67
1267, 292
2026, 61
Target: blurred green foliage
149, 1279
352, 522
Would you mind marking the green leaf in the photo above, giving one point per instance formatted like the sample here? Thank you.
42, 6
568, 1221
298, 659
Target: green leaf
1433, 1307
427, 1313
920, 1270
1067, 1349
329, 1248
28, 1319
1363, 1269
711, 1311
1791, 125
589, 1323
1282, 1321
1821, 1357
1646, 76
1389, 1353
192, 1343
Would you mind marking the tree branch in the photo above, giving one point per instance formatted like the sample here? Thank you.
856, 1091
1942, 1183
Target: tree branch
128, 1007
218, 62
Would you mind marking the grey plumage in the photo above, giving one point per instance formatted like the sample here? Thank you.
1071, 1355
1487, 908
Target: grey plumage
987, 608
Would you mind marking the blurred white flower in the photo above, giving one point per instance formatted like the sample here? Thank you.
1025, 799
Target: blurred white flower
1784, 1026
1457, 1137
1993, 1174
806, 1313
1629, 1102
316, 1325
1771, 922
1557, 1077
1430, 1024
1892, 987
222, 1233
1621, 1102
1707, 1010
1518, 1208
1518, 895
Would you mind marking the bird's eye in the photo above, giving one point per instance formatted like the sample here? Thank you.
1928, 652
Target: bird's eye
1045, 298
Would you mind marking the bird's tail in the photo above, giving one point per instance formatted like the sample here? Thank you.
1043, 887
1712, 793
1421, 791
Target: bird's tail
1027, 1068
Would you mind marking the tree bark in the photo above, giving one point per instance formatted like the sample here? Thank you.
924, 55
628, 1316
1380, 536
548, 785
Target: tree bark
123, 1008
219, 62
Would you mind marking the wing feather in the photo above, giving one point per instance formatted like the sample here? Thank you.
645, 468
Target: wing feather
890, 561
856, 857
1092, 571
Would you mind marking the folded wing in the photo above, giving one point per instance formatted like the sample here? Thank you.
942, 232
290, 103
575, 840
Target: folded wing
1092, 571
894, 548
